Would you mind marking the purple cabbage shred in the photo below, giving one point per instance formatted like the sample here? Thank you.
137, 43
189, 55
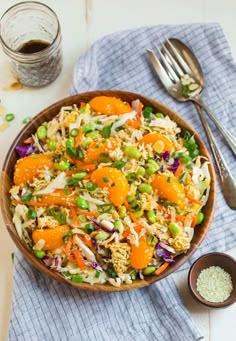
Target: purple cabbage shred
163, 253
166, 156
25, 149
173, 167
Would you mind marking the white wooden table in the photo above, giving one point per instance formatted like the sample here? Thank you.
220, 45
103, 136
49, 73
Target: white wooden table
83, 22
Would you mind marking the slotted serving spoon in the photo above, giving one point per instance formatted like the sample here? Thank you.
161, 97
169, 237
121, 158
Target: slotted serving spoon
178, 60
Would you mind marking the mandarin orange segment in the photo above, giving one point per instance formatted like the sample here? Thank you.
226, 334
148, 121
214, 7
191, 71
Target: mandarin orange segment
168, 187
142, 254
152, 138
114, 180
53, 237
109, 105
29, 167
95, 150
58, 197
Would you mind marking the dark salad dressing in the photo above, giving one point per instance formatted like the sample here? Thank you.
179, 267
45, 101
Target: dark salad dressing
33, 46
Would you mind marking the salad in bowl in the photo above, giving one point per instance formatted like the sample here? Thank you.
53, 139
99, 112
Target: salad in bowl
108, 191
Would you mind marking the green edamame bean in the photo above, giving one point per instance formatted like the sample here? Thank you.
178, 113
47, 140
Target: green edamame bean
151, 216
79, 175
52, 145
145, 188
39, 253
63, 165
42, 132
141, 171
200, 217
130, 198
118, 225
150, 170
132, 152
82, 203
138, 214
174, 229
149, 270
159, 115
122, 212
153, 163
102, 236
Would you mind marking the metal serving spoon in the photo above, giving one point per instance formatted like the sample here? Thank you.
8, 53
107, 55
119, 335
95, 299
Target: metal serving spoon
174, 66
171, 70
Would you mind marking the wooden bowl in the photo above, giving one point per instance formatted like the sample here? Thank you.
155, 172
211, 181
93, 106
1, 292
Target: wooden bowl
222, 260
46, 115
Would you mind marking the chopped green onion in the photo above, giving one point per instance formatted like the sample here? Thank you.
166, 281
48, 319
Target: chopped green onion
169, 179
118, 164
97, 275
105, 179
133, 275
88, 128
189, 166
67, 236
89, 228
102, 236
106, 131
105, 208
151, 240
91, 187
111, 272
104, 157
9, 117
77, 278
183, 177
26, 197
74, 132
79, 175
147, 113
131, 177
12, 256
32, 214
26, 120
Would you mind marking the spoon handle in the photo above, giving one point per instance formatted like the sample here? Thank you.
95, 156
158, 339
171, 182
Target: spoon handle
227, 181
227, 135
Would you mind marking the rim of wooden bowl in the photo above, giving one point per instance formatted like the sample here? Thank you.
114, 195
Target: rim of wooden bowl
46, 115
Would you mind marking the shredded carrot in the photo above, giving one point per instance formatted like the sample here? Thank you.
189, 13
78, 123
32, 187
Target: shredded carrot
87, 213
79, 258
29, 203
82, 104
178, 171
86, 239
194, 221
179, 217
67, 250
29, 140
86, 177
67, 157
90, 167
161, 268
194, 200
137, 229
74, 215
78, 138
126, 204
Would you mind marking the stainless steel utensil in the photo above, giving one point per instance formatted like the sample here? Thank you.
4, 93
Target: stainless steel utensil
170, 73
177, 61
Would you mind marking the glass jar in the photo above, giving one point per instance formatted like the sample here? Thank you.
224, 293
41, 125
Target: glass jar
30, 35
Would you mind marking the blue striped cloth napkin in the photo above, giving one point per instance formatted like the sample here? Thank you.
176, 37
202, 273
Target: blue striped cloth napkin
46, 310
